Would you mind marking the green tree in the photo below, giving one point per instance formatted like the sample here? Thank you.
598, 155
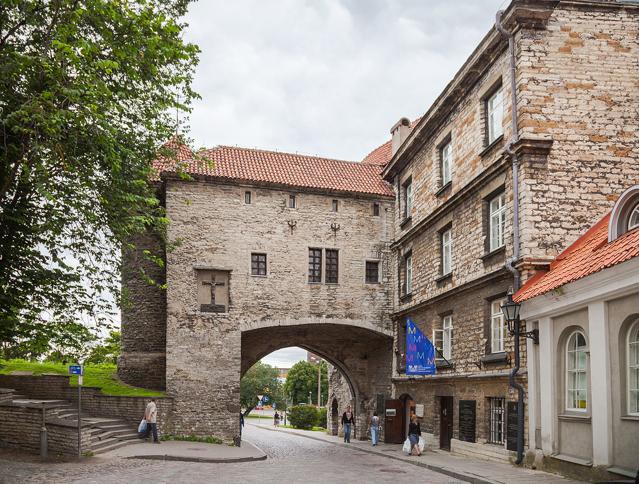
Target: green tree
302, 379
260, 379
106, 351
88, 92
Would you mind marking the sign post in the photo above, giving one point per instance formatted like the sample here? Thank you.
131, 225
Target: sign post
259, 404
78, 370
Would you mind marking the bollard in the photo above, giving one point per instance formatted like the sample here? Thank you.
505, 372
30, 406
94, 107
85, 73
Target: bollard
43, 435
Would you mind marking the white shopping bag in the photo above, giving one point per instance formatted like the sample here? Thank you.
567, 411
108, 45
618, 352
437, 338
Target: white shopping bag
407, 446
142, 426
421, 444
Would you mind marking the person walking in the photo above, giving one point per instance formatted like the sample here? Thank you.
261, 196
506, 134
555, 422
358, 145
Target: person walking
374, 429
151, 416
276, 419
414, 433
347, 422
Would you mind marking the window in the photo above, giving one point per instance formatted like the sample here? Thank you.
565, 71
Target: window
247, 198
496, 418
258, 264
376, 209
442, 338
292, 201
332, 266
633, 221
446, 156
576, 373
334, 206
497, 327
408, 275
314, 265
447, 251
495, 116
633, 370
408, 199
372, 272
497, 221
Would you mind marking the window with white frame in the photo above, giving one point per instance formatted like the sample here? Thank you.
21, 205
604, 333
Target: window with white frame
633, 370
633, 221
408, 274
497, 408
495, 115
442, 338
497, 221
447, 251
576, 372
408, 199
446, 155
497, 327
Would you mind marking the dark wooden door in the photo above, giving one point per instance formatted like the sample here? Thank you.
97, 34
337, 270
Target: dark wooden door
445, 422
393, 419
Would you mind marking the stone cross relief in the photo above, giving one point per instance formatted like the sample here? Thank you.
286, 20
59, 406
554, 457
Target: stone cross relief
213, 307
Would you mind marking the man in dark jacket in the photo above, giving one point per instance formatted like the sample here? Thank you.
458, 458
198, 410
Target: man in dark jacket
348, 421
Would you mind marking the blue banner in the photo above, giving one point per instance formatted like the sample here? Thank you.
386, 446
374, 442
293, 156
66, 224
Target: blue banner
420, 352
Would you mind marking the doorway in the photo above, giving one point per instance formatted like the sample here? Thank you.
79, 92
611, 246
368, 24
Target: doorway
408, 408
445, 422
393, 421
334, 417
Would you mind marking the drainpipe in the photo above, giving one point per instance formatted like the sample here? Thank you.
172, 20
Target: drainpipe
510, 263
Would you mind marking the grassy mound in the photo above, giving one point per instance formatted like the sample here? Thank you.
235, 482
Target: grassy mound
103, 376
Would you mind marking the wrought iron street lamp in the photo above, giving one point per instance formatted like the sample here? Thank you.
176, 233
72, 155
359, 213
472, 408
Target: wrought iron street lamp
511, 312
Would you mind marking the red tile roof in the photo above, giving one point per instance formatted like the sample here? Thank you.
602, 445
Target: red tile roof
287, 169
589, 254
383, 154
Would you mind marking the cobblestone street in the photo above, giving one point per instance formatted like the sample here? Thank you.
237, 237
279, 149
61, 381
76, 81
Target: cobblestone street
291, 459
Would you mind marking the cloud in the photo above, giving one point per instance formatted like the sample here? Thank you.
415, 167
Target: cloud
285, 358
327, 77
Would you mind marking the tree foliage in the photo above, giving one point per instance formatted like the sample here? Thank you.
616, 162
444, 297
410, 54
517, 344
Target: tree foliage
260, 379
302, 379
88, 93
107, 351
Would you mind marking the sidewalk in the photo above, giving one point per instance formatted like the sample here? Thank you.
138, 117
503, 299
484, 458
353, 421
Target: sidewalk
457, 466
189, 452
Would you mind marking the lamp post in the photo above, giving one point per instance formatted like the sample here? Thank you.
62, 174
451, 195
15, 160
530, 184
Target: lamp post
511, 313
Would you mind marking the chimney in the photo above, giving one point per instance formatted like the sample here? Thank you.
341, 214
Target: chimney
399, 132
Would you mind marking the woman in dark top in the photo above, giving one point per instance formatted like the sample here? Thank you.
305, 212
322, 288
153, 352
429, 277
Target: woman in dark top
414, 432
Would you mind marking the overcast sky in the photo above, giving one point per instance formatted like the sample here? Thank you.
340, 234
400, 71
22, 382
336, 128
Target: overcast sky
324, 77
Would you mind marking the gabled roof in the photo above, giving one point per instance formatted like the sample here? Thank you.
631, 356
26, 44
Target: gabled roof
589, 254
278, 168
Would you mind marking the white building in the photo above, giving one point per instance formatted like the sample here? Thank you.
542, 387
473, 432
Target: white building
583, 408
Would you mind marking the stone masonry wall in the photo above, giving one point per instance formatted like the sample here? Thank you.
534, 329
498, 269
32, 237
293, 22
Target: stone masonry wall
213, 229
338, 390
578, 84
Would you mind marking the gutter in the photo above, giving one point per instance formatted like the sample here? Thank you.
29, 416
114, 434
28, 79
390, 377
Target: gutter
510, 263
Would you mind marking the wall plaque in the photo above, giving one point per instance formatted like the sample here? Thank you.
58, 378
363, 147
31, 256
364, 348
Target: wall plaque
511, 426
467, 420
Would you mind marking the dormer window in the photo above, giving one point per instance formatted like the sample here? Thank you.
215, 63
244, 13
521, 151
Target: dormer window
625, 214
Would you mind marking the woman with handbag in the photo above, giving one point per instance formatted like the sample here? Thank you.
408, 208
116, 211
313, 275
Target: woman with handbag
375, 429
414, 433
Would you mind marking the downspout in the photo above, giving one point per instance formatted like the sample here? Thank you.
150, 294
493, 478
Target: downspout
510, 263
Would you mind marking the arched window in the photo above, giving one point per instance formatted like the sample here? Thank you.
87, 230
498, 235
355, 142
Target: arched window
576, 373
633, 369
633, 221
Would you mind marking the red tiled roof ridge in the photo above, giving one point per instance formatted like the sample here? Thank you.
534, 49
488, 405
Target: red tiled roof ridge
581, 241
287, 153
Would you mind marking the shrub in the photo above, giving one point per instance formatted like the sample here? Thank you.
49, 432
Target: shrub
303, 417
321, 417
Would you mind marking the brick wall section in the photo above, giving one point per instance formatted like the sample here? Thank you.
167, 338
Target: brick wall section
578, 84
94, 402
143, 333
216, 229
21, 427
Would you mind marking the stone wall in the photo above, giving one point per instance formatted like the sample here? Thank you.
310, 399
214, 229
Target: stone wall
143, 333
339, 392
94, 402
21, 427
213, 229
578, 84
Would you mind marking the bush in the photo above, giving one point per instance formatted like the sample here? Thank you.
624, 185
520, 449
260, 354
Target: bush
321, 417
303, 417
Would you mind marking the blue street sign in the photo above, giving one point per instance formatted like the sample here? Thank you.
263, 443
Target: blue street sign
75, 370
274, 405
265, 399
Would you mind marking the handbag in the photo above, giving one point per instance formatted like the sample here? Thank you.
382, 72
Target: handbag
406, 449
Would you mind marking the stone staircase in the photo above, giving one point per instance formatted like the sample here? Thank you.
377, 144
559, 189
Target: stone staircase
106, 433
